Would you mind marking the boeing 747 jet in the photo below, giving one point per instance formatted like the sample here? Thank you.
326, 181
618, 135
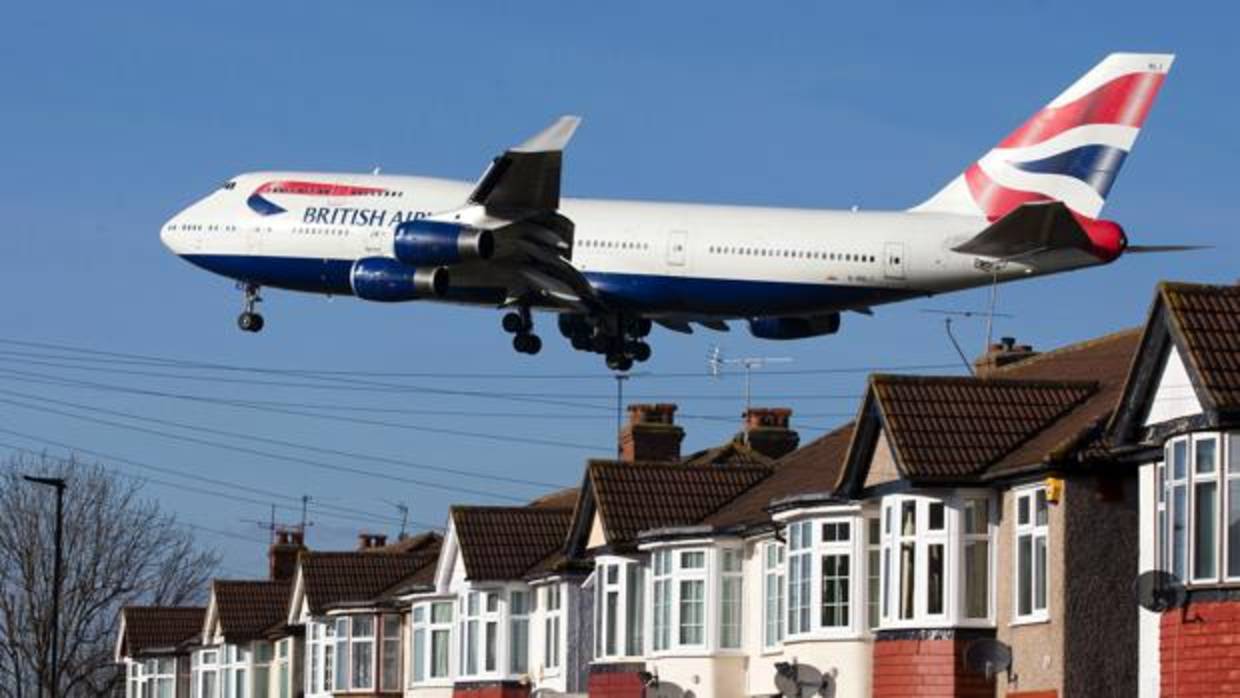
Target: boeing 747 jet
611, 269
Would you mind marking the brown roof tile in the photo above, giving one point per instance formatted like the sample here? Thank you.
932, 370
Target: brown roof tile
734, 452
160, 627
1207, 320
334, 578
952, 427
560, 499
501, 543
247, 609
635, 497
815, 467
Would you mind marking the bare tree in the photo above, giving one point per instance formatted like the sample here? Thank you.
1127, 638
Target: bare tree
119, 549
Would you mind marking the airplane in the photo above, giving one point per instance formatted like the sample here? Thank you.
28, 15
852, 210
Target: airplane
611, 269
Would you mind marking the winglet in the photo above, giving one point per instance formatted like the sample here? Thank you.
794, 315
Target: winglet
553, 138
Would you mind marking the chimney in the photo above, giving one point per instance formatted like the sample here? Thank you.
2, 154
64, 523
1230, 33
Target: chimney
366, 541
286, 546
1005, 353
768, 432
651, 434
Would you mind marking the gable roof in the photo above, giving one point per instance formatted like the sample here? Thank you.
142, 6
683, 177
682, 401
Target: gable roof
247, 609
732, 453
158, 628
331, 579
629, 498
815, 467
1203, 323
1024, 416
505, 543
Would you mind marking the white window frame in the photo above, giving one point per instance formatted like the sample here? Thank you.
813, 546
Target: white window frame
484, 609
984, 537
320, 661
731, 575
872, 527
1229, 467
206, 663
520, 612
773, 599
661, 600
282, 664
685, 574
837, 548
625, 578
422, 620
1200, 479
552, 614
799, 575
388, 648
1181, 559
1035, 531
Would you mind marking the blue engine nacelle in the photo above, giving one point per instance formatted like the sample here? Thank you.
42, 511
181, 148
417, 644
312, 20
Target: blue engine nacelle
424, 243
386, 280
794, 327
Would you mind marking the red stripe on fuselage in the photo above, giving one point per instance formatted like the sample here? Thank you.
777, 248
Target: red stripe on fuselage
1125, 101
315, 189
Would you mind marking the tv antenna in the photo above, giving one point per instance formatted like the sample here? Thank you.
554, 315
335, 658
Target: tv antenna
718, 362
987, 656
403, 510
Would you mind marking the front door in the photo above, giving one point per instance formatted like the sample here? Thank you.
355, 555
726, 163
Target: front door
677, 247
893, 260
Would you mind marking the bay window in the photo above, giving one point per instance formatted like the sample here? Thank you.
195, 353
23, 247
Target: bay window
619, 603
262, 669
772, 594
662, 563
1032, 528
691, 596
283, 665
152, 678
347, 653
731, 587
389, 657
800, 571
931, 554
835, 568
205, 674
480, 629
431, 626
234, 671
320, 669
518, 632
1197, 508
553, 622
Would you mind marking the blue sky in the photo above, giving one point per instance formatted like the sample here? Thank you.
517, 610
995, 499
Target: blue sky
116, 115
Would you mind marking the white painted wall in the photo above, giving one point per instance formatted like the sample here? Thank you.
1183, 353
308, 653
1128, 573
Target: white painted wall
1174, 397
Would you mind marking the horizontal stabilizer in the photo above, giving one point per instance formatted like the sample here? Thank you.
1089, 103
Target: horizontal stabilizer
1028, 229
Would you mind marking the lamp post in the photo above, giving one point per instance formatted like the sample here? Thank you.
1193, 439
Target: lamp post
59, 484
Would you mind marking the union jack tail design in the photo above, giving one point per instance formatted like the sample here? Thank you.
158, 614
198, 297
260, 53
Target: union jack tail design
1070, 151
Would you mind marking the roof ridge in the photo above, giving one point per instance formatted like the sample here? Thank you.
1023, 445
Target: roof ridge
677, 466
981, 380
1066, 349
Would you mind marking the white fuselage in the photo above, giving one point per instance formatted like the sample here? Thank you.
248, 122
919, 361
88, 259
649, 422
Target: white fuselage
660, 259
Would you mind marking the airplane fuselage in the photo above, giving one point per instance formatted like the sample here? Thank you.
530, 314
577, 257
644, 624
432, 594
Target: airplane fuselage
653, 258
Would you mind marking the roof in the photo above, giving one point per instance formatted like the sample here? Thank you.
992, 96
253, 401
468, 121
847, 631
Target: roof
734, 452
247, 609
953, 427
410, 544
560, 499
633, 497
159, 627
504, 543
1207, 322
815, 467
337, 578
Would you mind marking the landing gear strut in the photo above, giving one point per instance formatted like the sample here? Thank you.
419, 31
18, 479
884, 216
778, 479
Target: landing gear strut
520, 324
616, 337
249, 320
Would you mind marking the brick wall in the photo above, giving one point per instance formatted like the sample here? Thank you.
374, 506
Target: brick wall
490, 689
907, 667
1200, 650
616, 681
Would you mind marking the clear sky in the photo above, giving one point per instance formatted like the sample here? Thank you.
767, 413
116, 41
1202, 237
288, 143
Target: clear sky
115, 115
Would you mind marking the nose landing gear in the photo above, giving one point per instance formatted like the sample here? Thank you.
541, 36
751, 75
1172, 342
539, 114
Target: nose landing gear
249, 320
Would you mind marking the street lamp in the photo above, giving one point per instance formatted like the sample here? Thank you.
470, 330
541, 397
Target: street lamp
59, 484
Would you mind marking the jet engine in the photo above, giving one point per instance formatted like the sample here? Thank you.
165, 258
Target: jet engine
426, 243
794, 327
386, 280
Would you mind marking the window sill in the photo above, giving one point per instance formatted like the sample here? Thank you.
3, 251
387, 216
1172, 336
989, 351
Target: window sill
1030, 620
435, 683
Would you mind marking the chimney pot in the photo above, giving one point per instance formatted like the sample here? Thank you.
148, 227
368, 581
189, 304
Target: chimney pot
1005, 353
366, 541
286, 547
768, 431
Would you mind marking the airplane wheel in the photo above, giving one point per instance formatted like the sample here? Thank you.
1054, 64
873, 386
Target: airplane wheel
640, 351
250, 322
642, 327
527, 343
512, 323
619, 362
581, 343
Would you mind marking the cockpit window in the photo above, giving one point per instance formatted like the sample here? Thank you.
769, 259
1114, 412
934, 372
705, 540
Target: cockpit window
229, 185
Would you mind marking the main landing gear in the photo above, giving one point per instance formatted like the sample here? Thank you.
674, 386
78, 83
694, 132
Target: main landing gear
616, 337
520, 324
249, 320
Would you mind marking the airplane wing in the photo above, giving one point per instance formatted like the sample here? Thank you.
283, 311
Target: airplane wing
518, 200
1029, 229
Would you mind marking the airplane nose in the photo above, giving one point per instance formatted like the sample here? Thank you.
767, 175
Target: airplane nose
168, 235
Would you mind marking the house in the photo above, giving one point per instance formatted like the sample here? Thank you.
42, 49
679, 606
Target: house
1179, 422
344, 605
502, 615
153, 649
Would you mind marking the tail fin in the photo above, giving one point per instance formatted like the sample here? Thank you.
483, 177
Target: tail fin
1069, 151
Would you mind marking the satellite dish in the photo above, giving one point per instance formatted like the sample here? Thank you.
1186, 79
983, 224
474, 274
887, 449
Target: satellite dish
803, 681
1159, 591
988, 657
